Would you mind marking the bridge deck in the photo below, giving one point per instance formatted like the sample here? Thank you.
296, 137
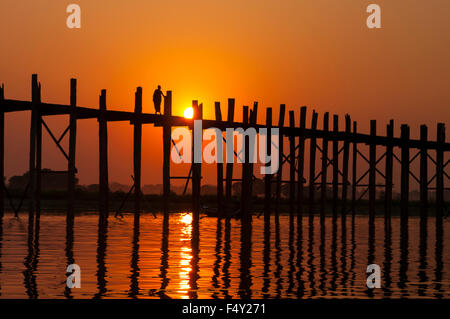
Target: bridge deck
48, 109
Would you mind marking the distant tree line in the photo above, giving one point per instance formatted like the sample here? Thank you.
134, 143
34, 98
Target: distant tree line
57, 181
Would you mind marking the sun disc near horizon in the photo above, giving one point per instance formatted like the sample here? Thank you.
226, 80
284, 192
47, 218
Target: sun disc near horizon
189, 113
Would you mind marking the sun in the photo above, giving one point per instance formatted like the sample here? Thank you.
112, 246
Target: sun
189, 113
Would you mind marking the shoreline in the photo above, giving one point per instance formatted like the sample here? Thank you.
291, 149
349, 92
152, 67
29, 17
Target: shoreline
177, 204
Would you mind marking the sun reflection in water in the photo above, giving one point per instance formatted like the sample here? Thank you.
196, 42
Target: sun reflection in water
186, 219
185, 254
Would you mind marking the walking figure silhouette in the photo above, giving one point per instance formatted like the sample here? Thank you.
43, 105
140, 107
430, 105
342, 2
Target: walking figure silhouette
157, 99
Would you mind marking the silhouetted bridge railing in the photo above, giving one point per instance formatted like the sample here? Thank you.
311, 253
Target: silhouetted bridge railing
341, 143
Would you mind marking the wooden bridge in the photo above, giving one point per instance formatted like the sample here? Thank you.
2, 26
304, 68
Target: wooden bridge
301, 181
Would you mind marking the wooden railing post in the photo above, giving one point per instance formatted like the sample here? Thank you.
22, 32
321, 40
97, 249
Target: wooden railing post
245, 168
301, 164
345, 183
312, 163
268, 177
354, 170
72, 147
440, 172
291, 164
324, 169
2, 151
253, 120
389, 171
335, 166
103, 156
372, 169
33, 138
196, 167
38, 167
423, 173
280, 160
219, 166
167, 139
137, 150
229, 166
404, 172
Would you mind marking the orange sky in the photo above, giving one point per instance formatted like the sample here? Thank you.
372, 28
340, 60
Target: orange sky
298, 52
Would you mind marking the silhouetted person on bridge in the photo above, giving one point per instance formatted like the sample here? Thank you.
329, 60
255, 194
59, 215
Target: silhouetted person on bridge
157, 99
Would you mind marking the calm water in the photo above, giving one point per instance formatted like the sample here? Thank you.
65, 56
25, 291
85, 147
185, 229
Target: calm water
150, 258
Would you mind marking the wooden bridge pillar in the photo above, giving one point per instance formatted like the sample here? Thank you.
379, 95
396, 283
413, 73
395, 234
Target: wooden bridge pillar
245, 169
38, 153
372, 169
2, 152
196, 167
354, 170
440, 173
291, 164
103, 156
35, 87
167, 139
335, 166
137, 150
389, 172
312, 164
253, 120
229, 166
345, 183
324, 170
219, 167
404, 172
280, 161
268, 177
71, 169
423, 173
301, 163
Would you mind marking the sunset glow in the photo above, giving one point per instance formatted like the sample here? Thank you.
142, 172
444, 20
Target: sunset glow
239, 55
246, 156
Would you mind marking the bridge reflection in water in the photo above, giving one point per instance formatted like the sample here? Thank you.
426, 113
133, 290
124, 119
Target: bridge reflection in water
164, 257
